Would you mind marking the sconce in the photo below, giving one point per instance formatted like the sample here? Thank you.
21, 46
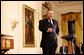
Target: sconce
14, 23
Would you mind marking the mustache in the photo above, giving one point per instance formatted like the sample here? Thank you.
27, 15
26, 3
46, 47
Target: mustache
50, 15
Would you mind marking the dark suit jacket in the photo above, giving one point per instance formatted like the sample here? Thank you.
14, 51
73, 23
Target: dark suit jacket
65, 49
48, 38
82, 48
77, 50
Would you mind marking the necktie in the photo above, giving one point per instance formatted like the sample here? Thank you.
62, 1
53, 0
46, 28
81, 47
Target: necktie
50, 21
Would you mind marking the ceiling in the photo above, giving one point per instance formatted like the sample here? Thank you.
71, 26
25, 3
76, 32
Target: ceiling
64, 3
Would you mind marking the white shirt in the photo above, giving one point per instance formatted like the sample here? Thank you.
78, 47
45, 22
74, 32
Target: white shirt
51, 21
63, 49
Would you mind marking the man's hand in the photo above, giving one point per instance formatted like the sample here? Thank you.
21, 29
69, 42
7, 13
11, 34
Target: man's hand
81, 52
50, 29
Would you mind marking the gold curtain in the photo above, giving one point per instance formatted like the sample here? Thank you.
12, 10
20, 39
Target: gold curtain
78, 26
79, 29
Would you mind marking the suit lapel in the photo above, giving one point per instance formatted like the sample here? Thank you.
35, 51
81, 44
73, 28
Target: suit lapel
46, 20
50, 23
53, 22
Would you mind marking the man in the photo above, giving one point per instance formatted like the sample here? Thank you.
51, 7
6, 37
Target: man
81, 48
63, 49
50, 31
77, 49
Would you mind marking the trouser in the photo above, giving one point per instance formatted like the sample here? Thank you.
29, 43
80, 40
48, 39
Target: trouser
50, 49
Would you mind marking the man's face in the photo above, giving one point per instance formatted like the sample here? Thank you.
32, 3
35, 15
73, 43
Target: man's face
50, 14
63, 44
77, 44
80, 44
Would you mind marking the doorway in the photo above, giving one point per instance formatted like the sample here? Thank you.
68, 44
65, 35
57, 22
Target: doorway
71, 27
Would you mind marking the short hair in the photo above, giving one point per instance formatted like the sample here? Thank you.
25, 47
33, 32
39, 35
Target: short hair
49, 10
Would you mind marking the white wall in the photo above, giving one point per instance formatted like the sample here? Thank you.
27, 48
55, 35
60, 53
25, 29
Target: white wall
12, 10
9, 14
